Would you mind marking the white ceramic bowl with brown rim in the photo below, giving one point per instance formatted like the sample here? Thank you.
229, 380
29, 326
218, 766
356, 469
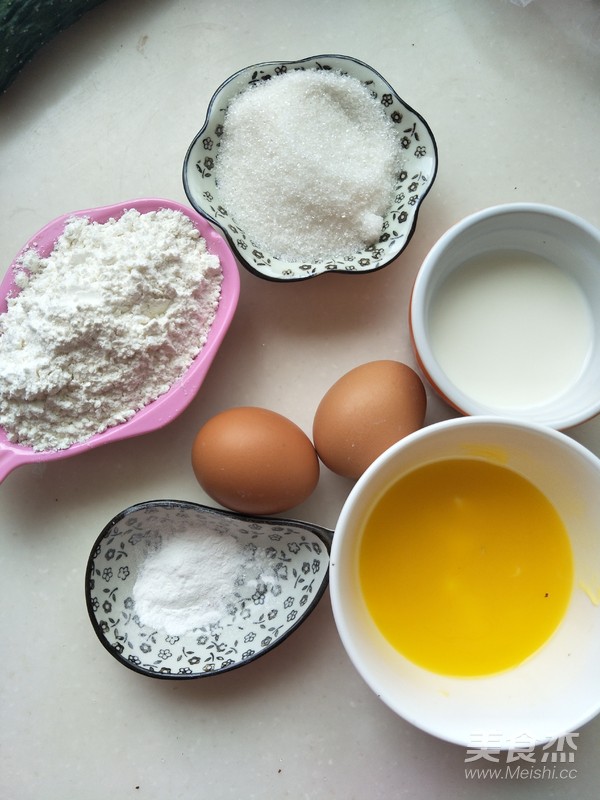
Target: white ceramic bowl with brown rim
505, 315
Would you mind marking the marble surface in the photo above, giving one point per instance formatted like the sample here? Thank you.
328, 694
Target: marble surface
105, 113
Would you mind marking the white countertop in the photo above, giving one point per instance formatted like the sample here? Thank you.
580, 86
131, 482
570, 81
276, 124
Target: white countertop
105, 113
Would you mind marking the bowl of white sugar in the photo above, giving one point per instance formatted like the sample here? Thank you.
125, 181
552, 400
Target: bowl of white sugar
311, 166
109, 321
505, 315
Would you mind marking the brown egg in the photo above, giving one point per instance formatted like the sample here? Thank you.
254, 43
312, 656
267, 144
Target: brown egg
366, 411
254, 461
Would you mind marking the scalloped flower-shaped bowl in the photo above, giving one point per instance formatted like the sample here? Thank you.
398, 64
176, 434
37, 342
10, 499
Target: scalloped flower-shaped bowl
263, 612
415, 176
169, 405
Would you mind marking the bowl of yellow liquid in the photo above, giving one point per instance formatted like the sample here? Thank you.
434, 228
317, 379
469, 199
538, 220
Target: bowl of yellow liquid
465, 581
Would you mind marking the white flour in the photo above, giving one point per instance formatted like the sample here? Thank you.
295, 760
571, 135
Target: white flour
104, 325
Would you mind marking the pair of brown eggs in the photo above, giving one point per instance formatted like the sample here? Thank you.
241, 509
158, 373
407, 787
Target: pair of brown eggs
256, 461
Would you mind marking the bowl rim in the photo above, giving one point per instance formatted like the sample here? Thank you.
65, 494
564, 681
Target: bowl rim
183, 391
187, 162
442, 384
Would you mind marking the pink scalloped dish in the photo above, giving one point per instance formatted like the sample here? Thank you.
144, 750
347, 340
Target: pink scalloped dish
167, 406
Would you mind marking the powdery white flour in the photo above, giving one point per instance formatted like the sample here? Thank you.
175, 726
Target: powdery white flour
307, 164
104, 325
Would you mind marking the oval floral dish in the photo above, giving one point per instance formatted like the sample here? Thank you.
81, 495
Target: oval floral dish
286, 568
415, 176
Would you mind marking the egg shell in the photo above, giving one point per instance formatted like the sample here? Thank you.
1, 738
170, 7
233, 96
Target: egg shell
366, 411
255, 461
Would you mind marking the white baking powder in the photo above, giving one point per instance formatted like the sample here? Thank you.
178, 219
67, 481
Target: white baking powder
194, 577
307, 164
104, 325
188, 581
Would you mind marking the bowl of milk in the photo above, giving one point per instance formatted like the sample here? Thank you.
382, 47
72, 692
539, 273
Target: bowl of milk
505, 315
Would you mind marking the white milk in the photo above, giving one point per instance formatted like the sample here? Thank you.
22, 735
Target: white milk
510, 329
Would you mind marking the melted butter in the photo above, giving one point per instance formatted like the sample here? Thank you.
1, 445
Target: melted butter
594, 595
496, 455
465, 567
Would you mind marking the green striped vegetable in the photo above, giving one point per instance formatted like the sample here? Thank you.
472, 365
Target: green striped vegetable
26, 25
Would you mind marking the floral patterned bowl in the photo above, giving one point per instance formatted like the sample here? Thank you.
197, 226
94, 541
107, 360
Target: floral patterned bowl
415, 174
285, 573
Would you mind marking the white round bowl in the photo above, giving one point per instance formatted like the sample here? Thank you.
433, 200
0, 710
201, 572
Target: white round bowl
553, 692
573, 246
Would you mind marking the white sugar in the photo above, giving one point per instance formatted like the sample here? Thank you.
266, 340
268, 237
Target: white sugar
307, 165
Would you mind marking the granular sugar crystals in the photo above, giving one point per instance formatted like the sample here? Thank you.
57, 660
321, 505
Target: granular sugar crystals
104, 325
307, 165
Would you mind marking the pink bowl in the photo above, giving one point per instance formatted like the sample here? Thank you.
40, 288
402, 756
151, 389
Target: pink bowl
169, 405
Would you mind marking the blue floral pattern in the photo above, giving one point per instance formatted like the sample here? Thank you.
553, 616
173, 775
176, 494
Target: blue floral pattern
259, 619
416, 173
